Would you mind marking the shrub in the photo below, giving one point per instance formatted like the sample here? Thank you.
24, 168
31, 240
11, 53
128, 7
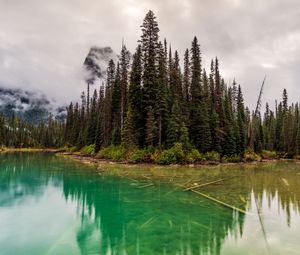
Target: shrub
232, 159
155, 155
171, 156
251, 156
212, 156
194, 156
116, 153
71, 149
139, 156
289, 155
268, 154
88, 149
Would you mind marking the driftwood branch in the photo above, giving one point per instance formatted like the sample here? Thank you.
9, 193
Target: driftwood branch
219, 202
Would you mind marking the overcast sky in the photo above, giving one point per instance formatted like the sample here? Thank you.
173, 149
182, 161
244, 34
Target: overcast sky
43, 43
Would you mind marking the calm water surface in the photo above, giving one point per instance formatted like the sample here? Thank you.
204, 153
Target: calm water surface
51, 205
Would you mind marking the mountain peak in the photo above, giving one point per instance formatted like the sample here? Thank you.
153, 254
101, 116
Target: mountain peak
96, 62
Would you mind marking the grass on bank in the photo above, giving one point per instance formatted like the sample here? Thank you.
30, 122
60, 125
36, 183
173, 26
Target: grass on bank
174, 155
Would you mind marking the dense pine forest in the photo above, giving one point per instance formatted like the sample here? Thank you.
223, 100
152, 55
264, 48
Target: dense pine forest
155, 108
16, 133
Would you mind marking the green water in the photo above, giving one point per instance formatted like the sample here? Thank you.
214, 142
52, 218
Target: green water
51, 205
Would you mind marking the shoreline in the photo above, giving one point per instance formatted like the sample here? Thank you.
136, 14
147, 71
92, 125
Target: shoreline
89, 159
45, 150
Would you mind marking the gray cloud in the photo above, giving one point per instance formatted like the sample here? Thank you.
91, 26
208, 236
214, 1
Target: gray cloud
43, 43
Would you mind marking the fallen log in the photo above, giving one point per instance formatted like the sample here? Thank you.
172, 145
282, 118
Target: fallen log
219, 202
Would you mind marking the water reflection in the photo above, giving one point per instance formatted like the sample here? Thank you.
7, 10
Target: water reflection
148, 221
117, 216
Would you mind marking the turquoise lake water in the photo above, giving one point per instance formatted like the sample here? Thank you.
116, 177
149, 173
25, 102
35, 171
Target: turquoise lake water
52, 205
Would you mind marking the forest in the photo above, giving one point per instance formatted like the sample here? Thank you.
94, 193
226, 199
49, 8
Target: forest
155, 108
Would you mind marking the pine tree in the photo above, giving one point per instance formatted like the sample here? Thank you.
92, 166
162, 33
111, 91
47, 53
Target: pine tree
162, 95
177, 130
186, 77
124, 66
241, 122
229, 142
116, 108
150, 48
69, 124
100, 118
92, 120
199, 121
81, 140
186, 86
108, 103
285, 124
151, 129
206, 92
135, 99
76, 125
129, 138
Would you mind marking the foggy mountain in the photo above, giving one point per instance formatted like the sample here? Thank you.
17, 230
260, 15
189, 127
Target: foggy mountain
30, 106
35, 107
96, 62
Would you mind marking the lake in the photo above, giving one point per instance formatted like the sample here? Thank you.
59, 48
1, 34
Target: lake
53, 205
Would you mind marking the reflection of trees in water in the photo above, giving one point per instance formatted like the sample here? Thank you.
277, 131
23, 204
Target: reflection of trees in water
263, 183
140, 219
20, 177
27, 174
281, 182
118, 217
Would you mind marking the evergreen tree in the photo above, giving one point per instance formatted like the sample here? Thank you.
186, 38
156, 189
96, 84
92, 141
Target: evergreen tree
108, 103
150, 48
135, 99
151, 129
229, 142
124, 66
92, 120
116, 108
100, 118
129, 138
177, 130
199, 121
162, 95
241, 122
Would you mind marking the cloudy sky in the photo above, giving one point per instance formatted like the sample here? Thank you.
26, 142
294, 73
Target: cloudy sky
43, 43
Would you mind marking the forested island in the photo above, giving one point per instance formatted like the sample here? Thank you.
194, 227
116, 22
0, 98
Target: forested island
152, 110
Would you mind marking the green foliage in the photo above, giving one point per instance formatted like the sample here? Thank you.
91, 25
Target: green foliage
140, 156
212, 156
176, 130
71, 149
88, 149
194, 156
113, 152
150, 128
232, 159
15, 132
251, 156
265, 154
129, 132
171, 156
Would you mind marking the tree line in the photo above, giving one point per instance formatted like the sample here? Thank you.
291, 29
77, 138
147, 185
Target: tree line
153, 100
148, 101
17, 133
